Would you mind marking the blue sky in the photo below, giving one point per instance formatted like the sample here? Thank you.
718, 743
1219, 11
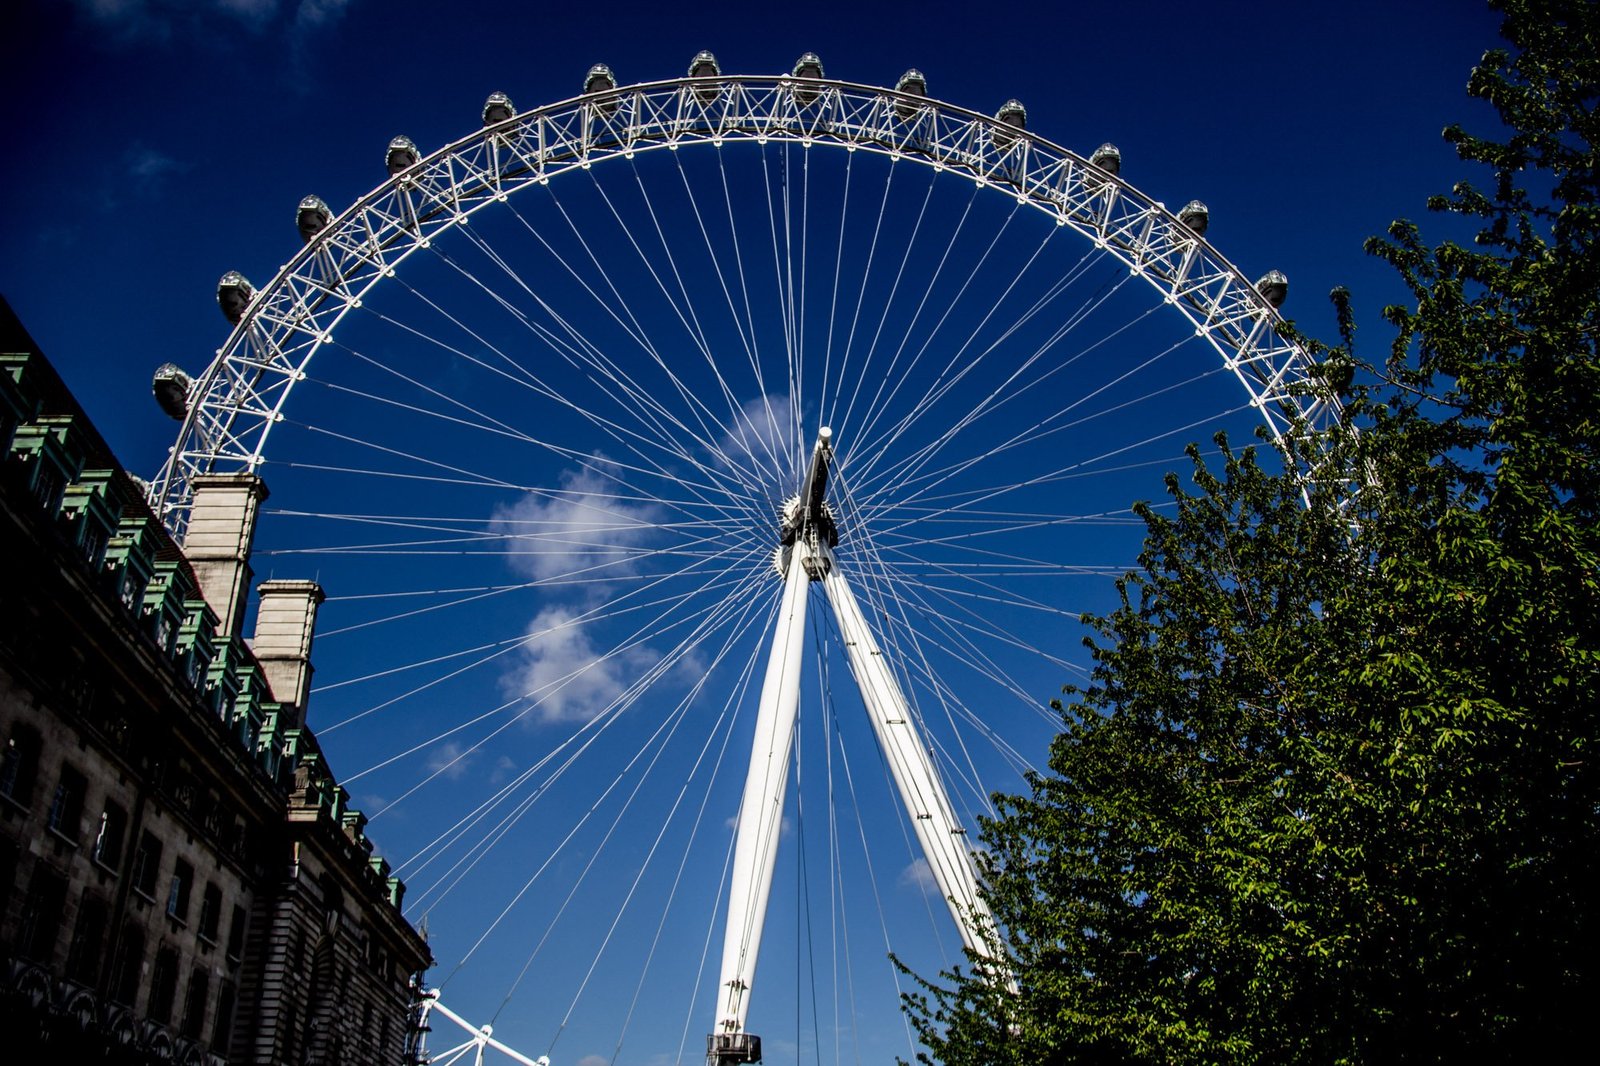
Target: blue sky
155, 145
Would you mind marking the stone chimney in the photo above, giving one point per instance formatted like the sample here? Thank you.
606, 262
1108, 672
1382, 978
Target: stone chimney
222, 523
285, 622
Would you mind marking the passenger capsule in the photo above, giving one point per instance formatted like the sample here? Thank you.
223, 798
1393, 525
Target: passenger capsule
402, 155
1273, 287
234, 293
1108, 158
171, 387
704, 65
807, 68
601, 80
911, 83
1196, 216
1011, 114
312, 217
497, 109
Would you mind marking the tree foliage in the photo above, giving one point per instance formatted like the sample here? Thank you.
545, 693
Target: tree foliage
1331, 794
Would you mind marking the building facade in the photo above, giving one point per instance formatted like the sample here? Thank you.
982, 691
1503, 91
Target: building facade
181, 877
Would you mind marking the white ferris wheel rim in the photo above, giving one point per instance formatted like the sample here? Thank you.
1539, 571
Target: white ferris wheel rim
243, 393
233, 405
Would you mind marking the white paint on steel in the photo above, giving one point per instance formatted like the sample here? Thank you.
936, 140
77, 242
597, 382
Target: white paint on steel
927, 804
241, 395
761, 811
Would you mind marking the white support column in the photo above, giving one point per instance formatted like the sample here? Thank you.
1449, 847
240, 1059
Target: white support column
943, 840
761, 812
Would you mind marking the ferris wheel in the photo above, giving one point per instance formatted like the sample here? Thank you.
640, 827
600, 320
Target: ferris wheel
575, 414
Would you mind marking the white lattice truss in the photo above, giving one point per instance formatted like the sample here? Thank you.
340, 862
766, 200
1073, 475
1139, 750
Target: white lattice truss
242, 394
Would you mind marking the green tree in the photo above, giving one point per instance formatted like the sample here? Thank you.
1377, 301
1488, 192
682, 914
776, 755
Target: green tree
1331, 794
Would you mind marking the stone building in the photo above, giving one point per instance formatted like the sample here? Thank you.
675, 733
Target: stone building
181, 877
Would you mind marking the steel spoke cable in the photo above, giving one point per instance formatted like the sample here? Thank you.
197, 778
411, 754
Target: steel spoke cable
737, 695
635, 690
593, 614
655, 845
955, 301
605, 718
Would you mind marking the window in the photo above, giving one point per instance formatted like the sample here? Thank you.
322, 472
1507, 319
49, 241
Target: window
194, 1005
222, 1028
236, 934
166, 631
66, 807
94, 542
163, 985
210, 912
147, 865
108, 841
126, 964
132, 589
40, 927
19, 765
83, 954
9, 854
178, 890
49, 485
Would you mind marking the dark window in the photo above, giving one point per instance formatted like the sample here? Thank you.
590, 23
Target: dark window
132, 588
194, 1005
40, 927
9, 854
210, 912
147, 864
108, 841
163, 985
66, 807
222, 1028
88, 936
178, 891
236, 933
49, 485
19, 765
126, 965
94, 542
166, 631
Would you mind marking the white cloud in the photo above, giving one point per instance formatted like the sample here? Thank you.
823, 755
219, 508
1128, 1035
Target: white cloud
761, 434
919, 875
589, 528
563, 674
314, 13
449, 760
594, 1060
208, 22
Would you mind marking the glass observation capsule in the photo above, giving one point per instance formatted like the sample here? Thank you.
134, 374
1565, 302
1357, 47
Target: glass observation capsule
807, 68
171, 387
1273, 287
402, 155
1012, 115
234, 293
312, 217
497, 109
911, 83
704, 65
1196, 216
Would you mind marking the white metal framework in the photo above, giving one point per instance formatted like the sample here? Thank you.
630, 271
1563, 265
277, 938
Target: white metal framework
236, 401
231, 409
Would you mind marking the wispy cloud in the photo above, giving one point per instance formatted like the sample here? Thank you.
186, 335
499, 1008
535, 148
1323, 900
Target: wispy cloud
141, 173
591, 529
214, 24
565, 675
762, 433
450, 760
919, 875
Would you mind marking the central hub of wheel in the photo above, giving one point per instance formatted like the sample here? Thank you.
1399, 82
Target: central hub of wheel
806, 524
